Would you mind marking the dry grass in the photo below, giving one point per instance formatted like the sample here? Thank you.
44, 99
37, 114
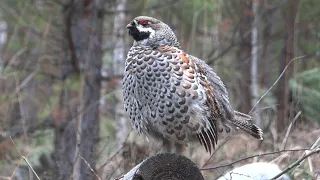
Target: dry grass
302, 136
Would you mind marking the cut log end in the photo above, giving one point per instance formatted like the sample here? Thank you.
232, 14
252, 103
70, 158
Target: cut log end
167, 166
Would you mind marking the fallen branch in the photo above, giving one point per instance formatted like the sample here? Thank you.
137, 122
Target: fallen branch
249, 157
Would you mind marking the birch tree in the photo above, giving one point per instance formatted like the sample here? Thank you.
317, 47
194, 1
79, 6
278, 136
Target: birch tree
256, 4
122, 125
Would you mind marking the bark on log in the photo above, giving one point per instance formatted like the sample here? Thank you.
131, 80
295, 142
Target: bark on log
164, 167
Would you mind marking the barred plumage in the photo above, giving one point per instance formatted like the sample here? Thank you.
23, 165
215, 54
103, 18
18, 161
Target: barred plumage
173, 96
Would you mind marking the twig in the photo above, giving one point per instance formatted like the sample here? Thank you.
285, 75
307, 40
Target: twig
309, 159
316, 150
15, 169
131, 173
90, 167
266, 107
231, 45
5, 178
247, 176
249, 157
285, 140
284, 70
14, 58
310, 165
315, 145
117, 152
220, 145
117, 167
26, 81
118, 164
25, 159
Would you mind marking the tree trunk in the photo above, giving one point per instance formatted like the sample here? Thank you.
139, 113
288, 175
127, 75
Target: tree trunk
283, 94
255, 58
87, 35
3, 38
119, 38
122, 125
244, 56
65, 138
78, 138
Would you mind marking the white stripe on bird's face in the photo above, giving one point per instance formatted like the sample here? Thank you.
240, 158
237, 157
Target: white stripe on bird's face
146, 29
146, 42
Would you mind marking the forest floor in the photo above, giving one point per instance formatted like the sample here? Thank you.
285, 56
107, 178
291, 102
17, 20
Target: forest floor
113, 162
274, 149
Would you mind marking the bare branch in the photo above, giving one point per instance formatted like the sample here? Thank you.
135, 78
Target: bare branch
309, 153
15, 169
219, 146
25, 159
14, 58
249, 157
231, 45
282, 73
309, 159
90, 167
284, 143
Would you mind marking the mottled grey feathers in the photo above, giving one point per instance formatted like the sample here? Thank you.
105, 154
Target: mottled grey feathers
173, 96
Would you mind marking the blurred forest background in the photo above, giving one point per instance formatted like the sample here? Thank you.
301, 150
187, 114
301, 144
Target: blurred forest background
60, 82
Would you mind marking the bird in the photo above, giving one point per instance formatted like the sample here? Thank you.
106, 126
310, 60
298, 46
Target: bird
173, 96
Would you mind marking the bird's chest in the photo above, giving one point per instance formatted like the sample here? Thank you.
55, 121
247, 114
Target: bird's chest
161, 91
148, 79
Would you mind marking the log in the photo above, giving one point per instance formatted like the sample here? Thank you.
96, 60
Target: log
165, 166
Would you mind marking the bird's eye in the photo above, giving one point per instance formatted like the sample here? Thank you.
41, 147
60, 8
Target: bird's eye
144, 22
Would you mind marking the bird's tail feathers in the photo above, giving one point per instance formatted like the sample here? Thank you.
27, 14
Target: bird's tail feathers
244, 122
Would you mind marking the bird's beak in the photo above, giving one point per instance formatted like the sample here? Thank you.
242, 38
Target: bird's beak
129, 26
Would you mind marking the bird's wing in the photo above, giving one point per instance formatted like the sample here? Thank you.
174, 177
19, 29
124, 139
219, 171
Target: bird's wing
228, 115
218, 88
202, 104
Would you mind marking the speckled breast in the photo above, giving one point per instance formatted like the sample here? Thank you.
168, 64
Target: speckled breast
162, 94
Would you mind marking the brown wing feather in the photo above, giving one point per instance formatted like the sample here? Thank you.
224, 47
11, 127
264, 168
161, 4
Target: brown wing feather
210, 136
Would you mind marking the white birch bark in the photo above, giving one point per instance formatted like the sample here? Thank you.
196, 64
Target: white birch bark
122, 125
119, 38
255, 58
3, 39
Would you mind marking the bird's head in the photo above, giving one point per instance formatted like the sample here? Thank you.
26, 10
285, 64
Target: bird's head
150, 32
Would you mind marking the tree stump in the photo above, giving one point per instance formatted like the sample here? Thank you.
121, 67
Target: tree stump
166, 167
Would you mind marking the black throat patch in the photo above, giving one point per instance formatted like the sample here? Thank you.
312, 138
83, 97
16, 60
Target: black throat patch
137, 35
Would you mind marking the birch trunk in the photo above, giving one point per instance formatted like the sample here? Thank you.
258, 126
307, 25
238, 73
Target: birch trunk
122, 125
255, 58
